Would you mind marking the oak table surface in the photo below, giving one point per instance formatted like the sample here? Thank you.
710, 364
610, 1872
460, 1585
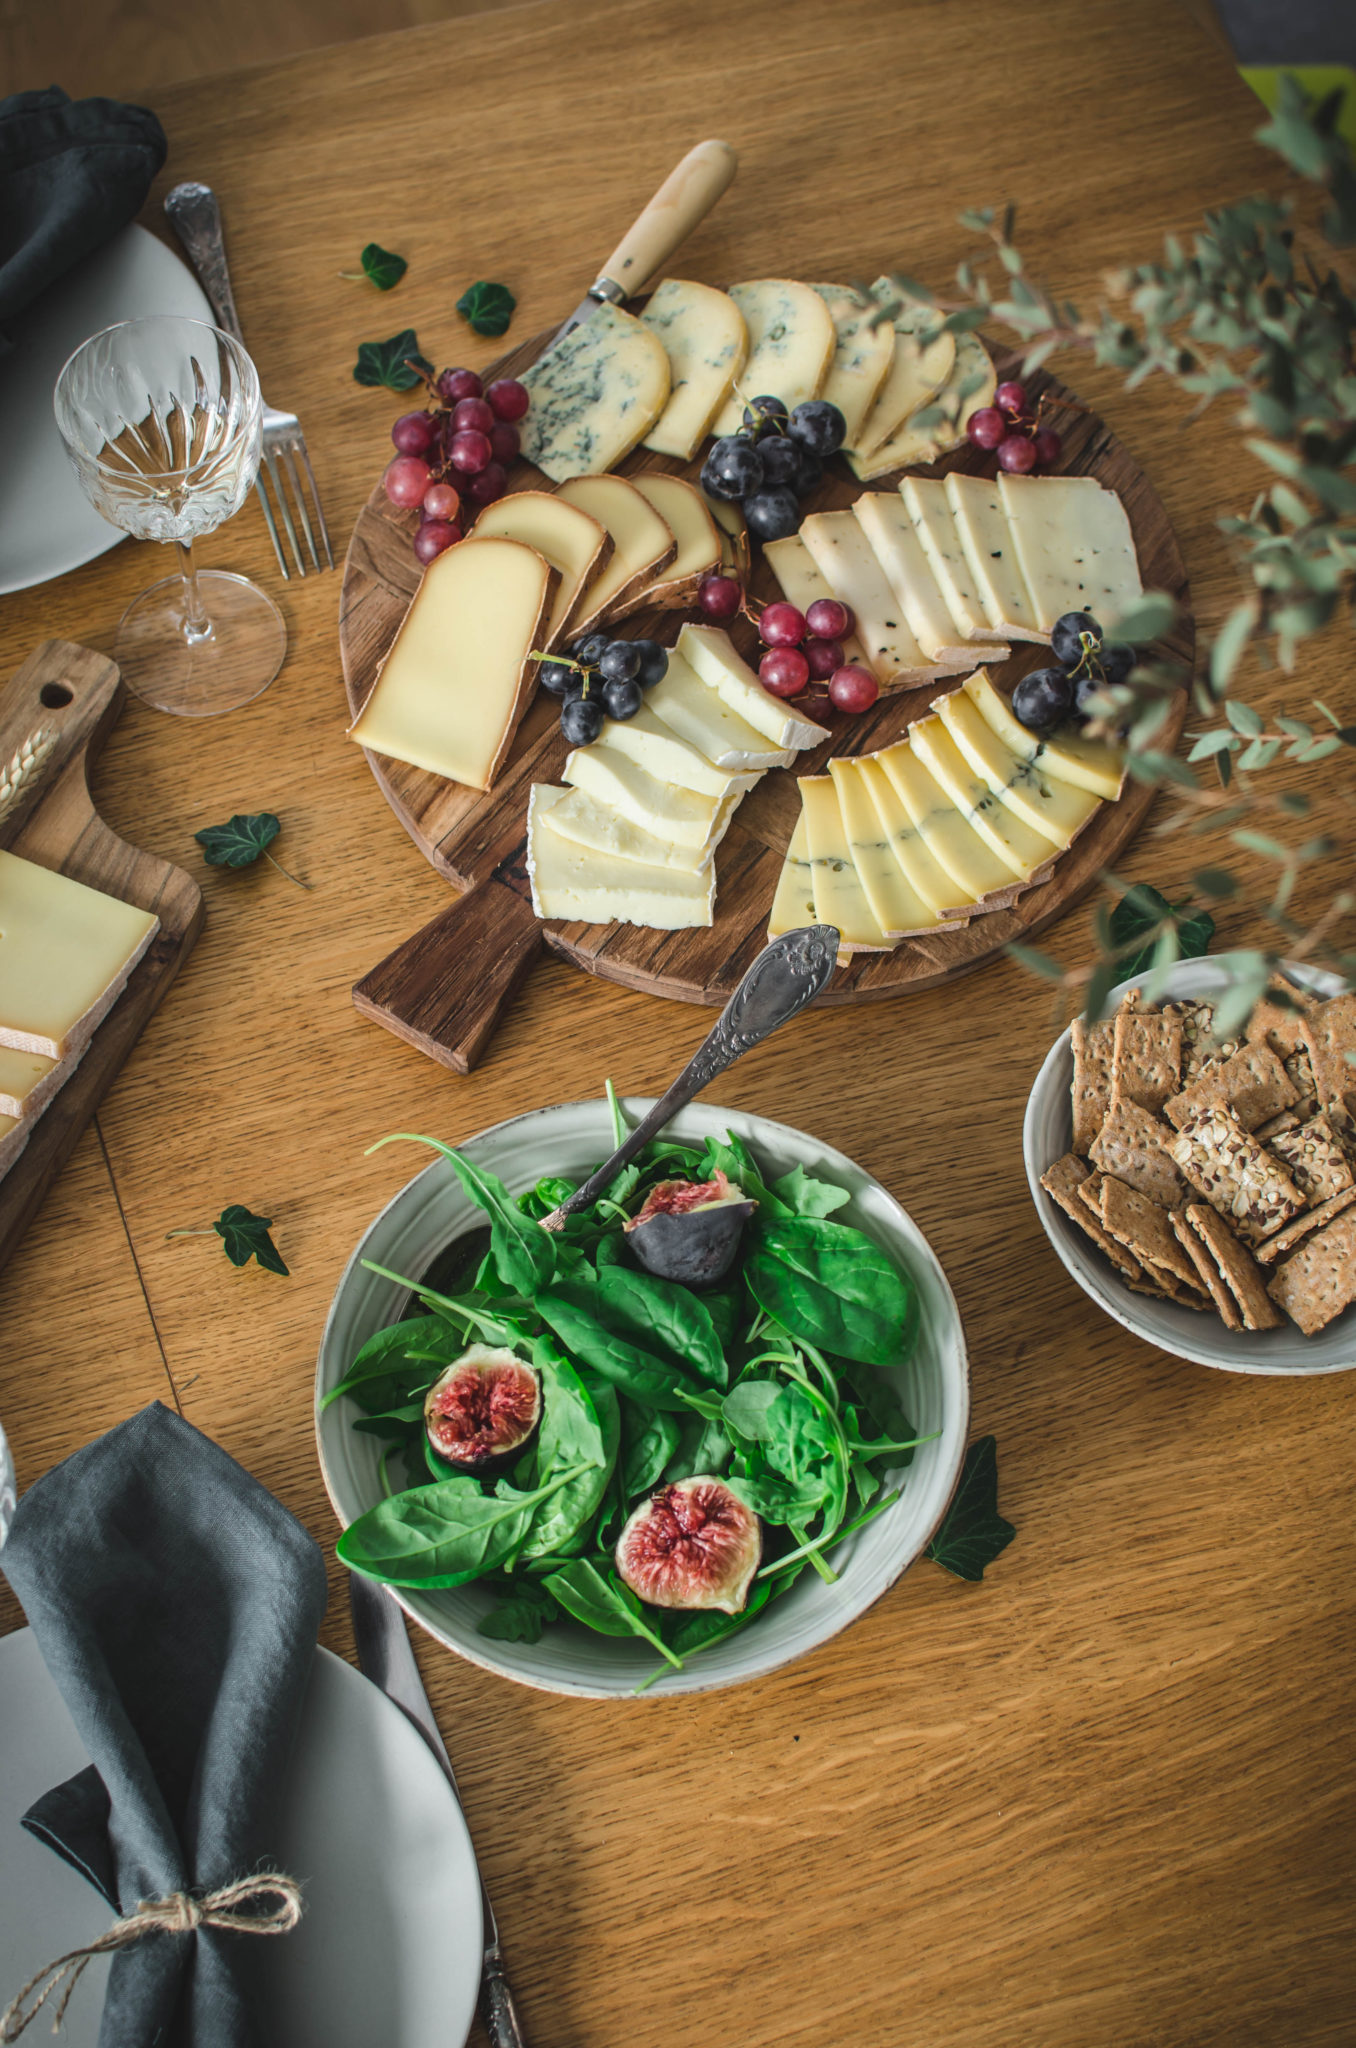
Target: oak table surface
1102, 1798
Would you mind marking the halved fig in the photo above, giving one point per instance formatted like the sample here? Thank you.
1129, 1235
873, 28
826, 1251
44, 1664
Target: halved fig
690, 1230
483, 1408
692, 1544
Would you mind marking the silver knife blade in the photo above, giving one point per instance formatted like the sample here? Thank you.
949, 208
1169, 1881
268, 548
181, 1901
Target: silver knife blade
603, 293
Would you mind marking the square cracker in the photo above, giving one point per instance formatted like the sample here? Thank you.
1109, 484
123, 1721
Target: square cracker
1062, 1182
1133, 1146
1092, 1050
1146, 1058
1199, 1043
1275, 1023
1300, 1226
1319, 1281
1211, 1277
1329, 1035
1253, 1084
1314, 1157
1238, 1269
1236, 1175
1143, 1228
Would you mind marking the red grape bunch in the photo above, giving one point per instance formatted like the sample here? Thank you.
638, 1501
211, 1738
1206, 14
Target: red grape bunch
456, 453
1010, 426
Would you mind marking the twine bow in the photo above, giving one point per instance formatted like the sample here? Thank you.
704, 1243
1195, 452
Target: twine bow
178, 1913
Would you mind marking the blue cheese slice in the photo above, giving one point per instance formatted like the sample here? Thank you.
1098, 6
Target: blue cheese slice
935, 525
707, 342
917, 371
682, 702
594, 395
1026, 853
1088, 764
895, 904
972, 384
685, 817
861, 357
791, 343
579, 884
793, 904
991, 553
843, 556
799, 579
929, 881
889, 528
645, 739
840, 899
1057, 810
1075, 547
710, 653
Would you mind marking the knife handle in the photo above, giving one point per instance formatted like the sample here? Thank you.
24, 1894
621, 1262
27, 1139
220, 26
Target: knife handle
498, 2013
196, 219
685, 197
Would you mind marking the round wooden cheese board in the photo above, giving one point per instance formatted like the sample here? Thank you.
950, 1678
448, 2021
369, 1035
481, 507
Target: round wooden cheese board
441, 989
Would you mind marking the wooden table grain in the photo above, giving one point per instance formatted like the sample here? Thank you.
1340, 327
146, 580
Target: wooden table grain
1103, 1799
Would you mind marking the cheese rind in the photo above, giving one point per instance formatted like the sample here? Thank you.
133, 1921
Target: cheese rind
895, 905
840, 899
791, 343
594, 395
682, 702
861, 357
1075, 547
1088, 764
935, 524
459, 673
991, 554
706, 340
27, 1081
684, 817
683, 509
888, 525
570, 539
843, 556
578, 884
643, 544
1024, 852
1057, 810
647, 740
66, 951
710, 653
802, 584
793, 903
916, 372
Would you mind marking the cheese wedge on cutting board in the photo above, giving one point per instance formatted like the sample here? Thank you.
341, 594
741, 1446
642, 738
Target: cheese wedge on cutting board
935, 524
930, 882
1023, 851
66, 952
594, 395
26, 1081
888, 525
791, 344
684, 817
570, 539
449, 694
895, 904
862, 354
646, 740
1074, 546
588, 822
706, 340
643, 544
801, 583
793, 903
916, 374
1057, 810
684, 703
711, 655
991, 555
975, 869
843, 556
683, 509
912, 443
580, 885
840, 899
1088, 764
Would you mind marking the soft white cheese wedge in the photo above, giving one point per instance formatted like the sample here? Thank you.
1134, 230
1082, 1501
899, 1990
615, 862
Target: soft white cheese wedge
710, 653
594, 395
1025, 852
684, 703
1088, 764
1075, 547
931, 883
1057, 810
643, 544
948, 835
916, 374
589, 823
843, 556
888, 525
683, 508
647, 740
840, 899
66, 951
793, 903
706, 341
990, 551
861, 357
791, 343
571, 540
682, 816
895, 904
935, 524
577, 884
801, 583
972, 374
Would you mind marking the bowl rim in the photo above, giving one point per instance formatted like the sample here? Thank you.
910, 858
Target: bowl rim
569, 1687
1106, 1290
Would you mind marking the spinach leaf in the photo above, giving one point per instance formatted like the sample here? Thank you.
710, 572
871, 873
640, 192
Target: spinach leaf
442, 1535
524, 1254
832, 1286
580, 1428
603, 1604
663, 1316
487, 308
389, 362
702, 1447
400, 1353
1143, 909
577, 1313
700, 1631
973, 1532
805, 1196
722, 1305
521, 1615
777, 1499
651, 1440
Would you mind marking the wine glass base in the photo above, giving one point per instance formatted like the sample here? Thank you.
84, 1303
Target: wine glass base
235, 663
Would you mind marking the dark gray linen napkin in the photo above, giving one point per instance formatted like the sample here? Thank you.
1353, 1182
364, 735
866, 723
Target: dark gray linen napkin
176, 1604
72, 172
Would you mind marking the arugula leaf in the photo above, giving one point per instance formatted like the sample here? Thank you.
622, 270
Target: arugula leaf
389, 363
246, 1237
806, 1196
580, 1432
835, 1288
603, 1604
973, 1532
384, 268
1141, 909
442, 1535
524, 1253
487, 308
731, 1156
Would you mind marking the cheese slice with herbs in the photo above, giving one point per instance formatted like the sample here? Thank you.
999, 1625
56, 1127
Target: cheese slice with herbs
457, 679
793, 904
570, 539
710, 653
895, 904
972, 384
643, 544
930, 882
1024, 851
935, 525
646, 740
840, 899
66, 951
801, 583
844, 558
917, 371
587, 821
1088, 764
682, 508
791, 344
888, 525
578, 884
1057, 810
594, 395
685, 817
991, 554
974, 867
1075, 547
862, 354
706, 341
685, 704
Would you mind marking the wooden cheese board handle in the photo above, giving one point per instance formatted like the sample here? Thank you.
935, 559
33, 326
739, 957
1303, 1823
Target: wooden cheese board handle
56, 706
442, 990
685, 198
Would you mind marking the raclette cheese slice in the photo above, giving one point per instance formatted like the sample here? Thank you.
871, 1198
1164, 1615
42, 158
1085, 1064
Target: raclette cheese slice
1058, 810
840, 899
843, 556
1074, 546
66, 951
643, 544
862, 354
706, 341
682, 508
450, 693
710, 652
791, 344
575, 544
793, 903
991, 555
683, 702
935, 524
888, 525
1088, 764
594, 395
895, 904
579, 884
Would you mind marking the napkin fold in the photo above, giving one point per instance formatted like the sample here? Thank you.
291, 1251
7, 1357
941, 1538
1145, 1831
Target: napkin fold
72, 172
176, 1604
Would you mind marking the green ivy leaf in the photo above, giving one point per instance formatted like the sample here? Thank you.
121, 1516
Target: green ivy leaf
1140, 912
240, 841
246, 1237
487, 308
973, 1533
389, 363
384, 268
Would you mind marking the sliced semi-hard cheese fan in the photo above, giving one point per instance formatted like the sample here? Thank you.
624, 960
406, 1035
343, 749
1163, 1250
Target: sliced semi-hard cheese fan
1024, 852
916, 374
930, 882
683, 702
648, 741
65, 954
575, 544
972, 384
643, 544
791, 343
1058, 810
588, 822
706, 341
1088, 764
949, 837
1074, 546
987, 541
683, 508
459, 674
801, 584
885, 520
840, 899
861, 357
710, 654
594, 395
686, 817
895, 904
843, 556
578, 884
793, 904
28, 1080
930, 510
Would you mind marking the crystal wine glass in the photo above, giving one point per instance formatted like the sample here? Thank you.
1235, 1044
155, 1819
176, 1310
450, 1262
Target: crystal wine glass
162, 420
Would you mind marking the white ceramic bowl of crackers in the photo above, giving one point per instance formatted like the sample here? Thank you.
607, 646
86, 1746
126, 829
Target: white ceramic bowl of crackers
1204, 1194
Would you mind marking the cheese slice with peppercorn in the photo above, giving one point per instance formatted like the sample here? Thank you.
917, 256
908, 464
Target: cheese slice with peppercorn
889, 528
1074, 547
1088, 764
990, 551
594, 395
710, 653
935, 525
802, 585
791, 344
706, 340
579, 884
862, 355
844, 558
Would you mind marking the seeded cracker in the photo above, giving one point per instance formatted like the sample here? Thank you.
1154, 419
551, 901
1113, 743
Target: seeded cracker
1253, 1084
1061, 1182
1330, 1034
1211, 1277
1133, 1146
1278, 1020
1284, 1241
1314, 1159
1199, 1044
1143, 1228
1238, 1270
1316, 1284
1092, 1050
1146, 1058
1236, 1175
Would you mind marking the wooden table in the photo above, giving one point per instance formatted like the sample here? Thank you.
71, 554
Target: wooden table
1103, 1798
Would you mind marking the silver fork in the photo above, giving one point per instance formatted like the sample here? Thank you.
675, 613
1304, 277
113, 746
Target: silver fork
196, 219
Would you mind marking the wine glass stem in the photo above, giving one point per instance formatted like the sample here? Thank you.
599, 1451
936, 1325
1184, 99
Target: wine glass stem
197, 625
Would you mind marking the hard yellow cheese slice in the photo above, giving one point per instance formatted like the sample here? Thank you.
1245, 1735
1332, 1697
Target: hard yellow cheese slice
706, 340
1074, 545
840, 899
594, 395
684, 510
974, 867
1057, 810
791, 343
929, 880
801, 583
570, 539
26, 1081
65, 954
861, 357
1024, 851
643, 544
895, 905
580, 884
888, 525
793, 905
1088, 764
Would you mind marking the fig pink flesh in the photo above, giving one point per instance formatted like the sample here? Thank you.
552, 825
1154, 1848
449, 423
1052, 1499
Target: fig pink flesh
477, 1411
692, 1544
676, 1197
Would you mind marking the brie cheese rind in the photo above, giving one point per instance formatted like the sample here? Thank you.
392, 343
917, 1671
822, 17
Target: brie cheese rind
791, 343
594, 395
710, 653
706, 340
685, 817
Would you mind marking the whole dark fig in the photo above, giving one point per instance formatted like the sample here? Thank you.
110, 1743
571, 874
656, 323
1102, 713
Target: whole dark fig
692, 1544
482, 1409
